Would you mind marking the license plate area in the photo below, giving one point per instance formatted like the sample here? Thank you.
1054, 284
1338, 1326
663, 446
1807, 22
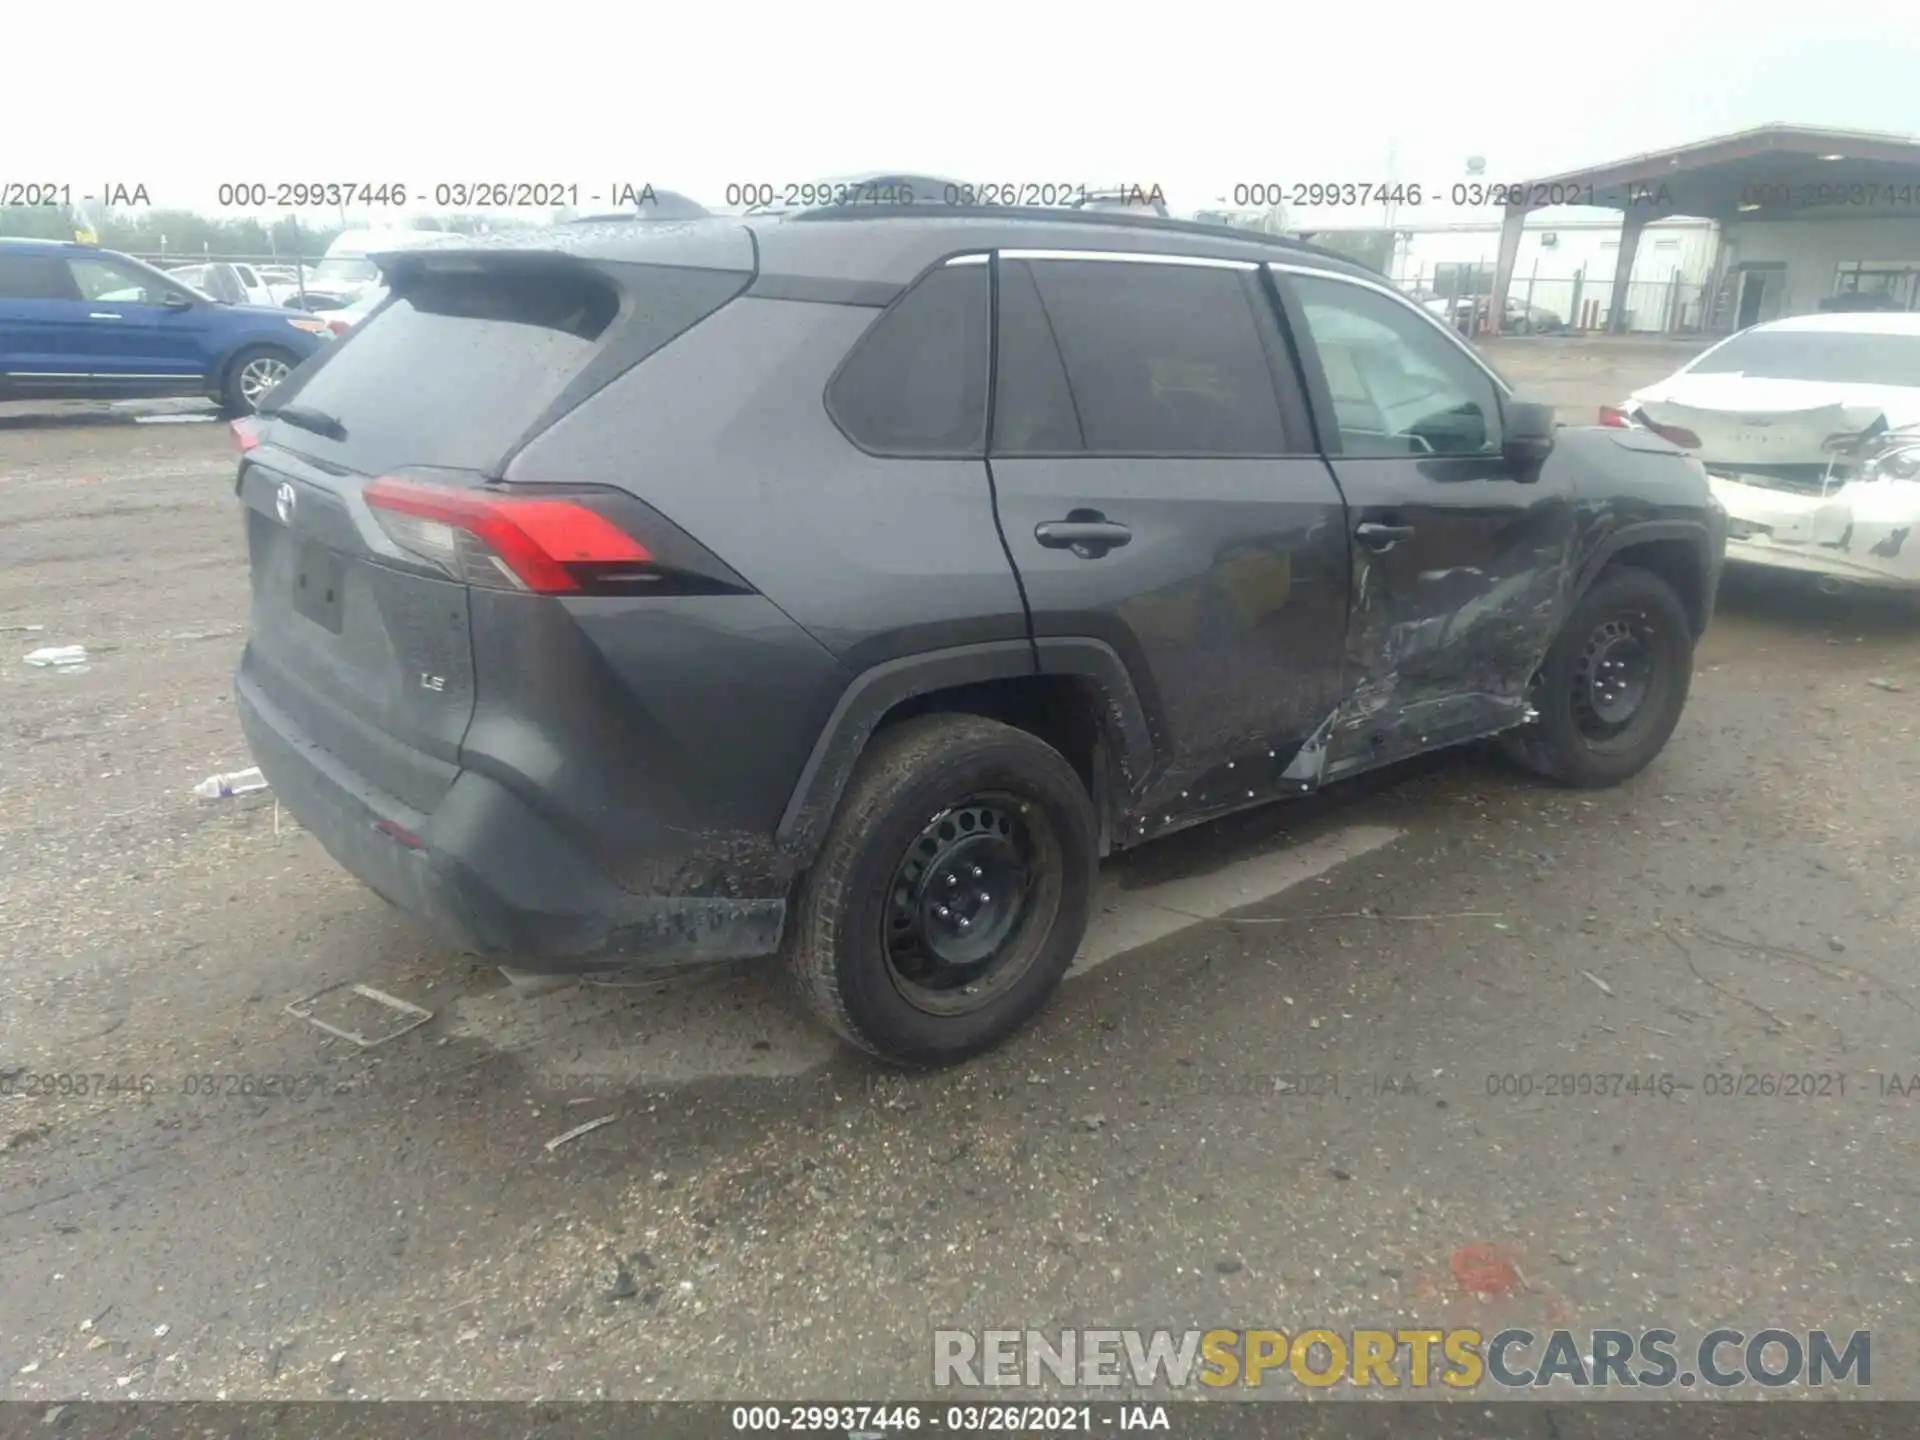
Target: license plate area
318, 576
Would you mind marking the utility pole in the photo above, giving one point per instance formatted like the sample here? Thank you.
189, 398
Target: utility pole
1393, 179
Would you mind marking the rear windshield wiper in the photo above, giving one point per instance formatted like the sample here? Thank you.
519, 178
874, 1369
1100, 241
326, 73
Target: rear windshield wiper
318, 421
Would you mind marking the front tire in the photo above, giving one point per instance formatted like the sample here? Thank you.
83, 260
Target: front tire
251, 376
1613, 685
951, 893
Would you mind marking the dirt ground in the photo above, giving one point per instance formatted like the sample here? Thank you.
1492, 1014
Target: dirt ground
1278, 1090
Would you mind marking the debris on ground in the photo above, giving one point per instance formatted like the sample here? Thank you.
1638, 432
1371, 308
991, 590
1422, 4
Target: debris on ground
416, 1015
58, 657
21, 629
577, 1131
1483, 1268
234, 782
1605, 989
1879, 683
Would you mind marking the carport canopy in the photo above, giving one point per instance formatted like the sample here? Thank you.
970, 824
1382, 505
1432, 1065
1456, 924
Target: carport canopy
1764, 174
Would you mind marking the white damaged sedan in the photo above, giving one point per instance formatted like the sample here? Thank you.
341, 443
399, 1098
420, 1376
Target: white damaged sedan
1809, 430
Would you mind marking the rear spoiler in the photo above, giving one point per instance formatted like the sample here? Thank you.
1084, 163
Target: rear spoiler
715, 244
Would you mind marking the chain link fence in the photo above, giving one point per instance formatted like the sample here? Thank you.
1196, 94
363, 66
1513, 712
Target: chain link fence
1578, 304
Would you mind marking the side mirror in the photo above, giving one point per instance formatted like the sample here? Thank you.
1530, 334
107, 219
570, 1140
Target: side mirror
173, 300
1529, 436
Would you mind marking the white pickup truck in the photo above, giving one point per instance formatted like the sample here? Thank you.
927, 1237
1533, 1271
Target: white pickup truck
238, 283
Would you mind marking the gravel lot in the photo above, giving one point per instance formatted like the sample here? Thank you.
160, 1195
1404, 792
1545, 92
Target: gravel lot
768, 1216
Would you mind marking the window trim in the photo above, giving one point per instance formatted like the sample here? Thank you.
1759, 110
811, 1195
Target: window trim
1132, 257
1313, 368
1296, 410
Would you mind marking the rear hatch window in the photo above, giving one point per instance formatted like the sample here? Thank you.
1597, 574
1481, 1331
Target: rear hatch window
468, 358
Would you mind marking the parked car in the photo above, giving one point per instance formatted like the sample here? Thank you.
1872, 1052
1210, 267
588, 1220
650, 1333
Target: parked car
655, 594
1520, 318
1464, 313
1810, 431
348, 269
81, 323
236, 282
339, 322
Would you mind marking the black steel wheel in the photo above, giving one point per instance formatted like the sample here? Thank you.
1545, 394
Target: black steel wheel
1614, 676
967, 897
1612, 687
950, 894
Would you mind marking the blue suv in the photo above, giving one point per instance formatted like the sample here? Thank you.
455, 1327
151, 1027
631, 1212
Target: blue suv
80, 323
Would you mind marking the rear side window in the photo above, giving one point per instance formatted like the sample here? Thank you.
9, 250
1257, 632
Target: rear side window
33, 277
1033, 410
916, 383
1161, 359
460, 366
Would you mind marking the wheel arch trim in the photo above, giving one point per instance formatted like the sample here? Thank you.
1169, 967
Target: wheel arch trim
876, 691
1641, 532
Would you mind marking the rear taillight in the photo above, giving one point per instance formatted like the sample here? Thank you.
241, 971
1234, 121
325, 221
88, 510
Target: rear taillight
1685, 439
546, 540
525, 543
1614, 416
339, 327
246, 433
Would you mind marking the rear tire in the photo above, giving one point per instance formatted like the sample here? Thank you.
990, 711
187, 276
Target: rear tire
247, 372
1612, 686
951, 892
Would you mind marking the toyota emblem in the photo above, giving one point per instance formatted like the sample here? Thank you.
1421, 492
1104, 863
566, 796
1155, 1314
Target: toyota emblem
283, 502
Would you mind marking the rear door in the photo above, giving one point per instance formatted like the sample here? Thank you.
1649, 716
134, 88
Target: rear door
365, 646
1459, 565
1158, 491
37, 302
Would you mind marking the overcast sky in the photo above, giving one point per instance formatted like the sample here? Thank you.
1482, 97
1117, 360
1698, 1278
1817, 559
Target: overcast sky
694, 97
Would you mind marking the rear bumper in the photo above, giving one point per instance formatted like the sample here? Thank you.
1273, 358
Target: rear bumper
486, 873
1862, 534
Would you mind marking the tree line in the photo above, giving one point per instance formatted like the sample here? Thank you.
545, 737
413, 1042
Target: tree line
192, 236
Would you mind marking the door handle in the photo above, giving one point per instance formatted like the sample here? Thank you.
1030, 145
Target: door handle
1087, 533
101, 315
1381, 537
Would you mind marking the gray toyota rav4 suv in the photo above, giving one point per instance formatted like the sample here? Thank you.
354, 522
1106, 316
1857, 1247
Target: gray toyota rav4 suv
843, 584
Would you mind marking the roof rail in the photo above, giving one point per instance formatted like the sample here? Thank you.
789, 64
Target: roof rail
1039, 214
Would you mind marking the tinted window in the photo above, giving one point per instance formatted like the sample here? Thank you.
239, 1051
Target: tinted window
916, 383
457, 367
1162, 359
1399, 385
1033, 410
1834, 357
32, 277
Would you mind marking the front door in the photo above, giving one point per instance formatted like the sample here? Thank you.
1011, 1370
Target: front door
1459, 567
1158, 492
130, 339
